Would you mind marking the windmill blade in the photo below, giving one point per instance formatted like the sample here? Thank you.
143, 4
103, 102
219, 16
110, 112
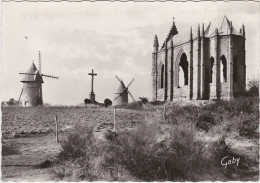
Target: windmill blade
27, 73
117, 97
130, 83
119, 79
49, 76
131, 95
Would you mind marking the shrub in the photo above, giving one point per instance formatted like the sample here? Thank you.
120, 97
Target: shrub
219, 149
253, 87
110, 135
107, 102
248, 128
45, 164
185, 160
133, 105
176, 113
74, 160
144, 100
77, 145
235, 106
9, 149
12, 102
87, 101
178, 157
157, 102
205, 122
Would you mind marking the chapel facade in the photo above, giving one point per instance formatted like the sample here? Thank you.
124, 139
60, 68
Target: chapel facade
200, 64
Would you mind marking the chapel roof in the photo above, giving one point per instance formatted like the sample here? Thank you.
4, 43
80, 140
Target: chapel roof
222, 24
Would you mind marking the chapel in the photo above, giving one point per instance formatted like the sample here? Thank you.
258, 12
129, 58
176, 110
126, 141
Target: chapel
201, 63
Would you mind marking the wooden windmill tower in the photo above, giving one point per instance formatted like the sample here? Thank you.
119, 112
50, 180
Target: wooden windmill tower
31, 94
121, 96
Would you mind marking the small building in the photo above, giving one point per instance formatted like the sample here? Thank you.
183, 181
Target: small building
200, 63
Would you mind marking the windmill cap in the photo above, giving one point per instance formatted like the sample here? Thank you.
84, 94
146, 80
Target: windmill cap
121, 87
32, 78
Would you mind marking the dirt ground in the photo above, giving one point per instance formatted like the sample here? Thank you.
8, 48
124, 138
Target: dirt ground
33, 131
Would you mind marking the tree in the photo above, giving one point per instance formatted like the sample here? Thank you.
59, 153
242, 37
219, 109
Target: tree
107, 102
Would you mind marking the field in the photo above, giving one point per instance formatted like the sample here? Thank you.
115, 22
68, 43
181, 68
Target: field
32, 130
151, 132
26, 122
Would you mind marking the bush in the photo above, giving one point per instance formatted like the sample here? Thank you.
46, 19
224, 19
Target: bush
144, 100
157, 102
78, 150
205, 122
77, 145
178, 157
12, 102
248, 128
87, 101
235, 106
133, 105
219, 149
253, 87
45, 164
9, 149
107, 102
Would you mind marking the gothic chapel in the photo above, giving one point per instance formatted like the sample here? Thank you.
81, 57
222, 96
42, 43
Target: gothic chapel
203, 63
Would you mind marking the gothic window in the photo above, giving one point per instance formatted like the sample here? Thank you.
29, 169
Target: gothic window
223, 70
183, 71
235, 69
211, 63
162, 76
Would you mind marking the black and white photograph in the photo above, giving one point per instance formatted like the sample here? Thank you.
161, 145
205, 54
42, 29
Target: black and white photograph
140, 91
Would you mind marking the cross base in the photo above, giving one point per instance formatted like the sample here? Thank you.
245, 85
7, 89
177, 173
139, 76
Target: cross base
92, 97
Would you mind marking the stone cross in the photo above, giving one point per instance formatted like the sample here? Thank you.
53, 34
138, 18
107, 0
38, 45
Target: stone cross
92, 95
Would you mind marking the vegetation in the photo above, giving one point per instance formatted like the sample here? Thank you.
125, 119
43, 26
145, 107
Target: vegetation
11, 102
144, 100
9, 149
87, 101
107, 102
253, 87
165, 148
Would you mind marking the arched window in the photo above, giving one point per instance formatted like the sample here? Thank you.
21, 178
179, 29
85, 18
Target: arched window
162, 75
183, 71
223, 71
235, 69
211, 64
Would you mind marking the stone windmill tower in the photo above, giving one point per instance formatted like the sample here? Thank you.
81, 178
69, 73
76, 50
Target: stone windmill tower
31, 94
122, 93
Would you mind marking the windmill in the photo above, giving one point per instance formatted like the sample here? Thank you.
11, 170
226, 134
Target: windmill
31, 94
122, 93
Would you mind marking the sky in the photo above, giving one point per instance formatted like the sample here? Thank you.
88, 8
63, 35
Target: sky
113, 38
